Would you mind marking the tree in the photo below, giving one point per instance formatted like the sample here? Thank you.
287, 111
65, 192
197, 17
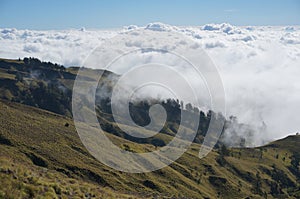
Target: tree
257, 184
224, 151
19, 77
158, 142
26, 61
189, 107
295, 161
243, 142
196, 110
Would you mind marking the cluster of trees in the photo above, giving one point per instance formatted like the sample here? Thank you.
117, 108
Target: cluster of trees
37, 84
139, 112
295, 163
40, 84
34, 62
45, 95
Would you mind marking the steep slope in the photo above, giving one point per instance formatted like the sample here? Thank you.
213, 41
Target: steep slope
41, 155
49, 86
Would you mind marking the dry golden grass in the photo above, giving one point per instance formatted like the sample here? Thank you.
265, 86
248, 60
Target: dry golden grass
40, 157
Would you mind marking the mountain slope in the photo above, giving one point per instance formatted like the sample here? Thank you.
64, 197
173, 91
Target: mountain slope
41, 155
49, 86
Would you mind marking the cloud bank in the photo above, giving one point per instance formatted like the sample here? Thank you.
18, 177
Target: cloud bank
260, 66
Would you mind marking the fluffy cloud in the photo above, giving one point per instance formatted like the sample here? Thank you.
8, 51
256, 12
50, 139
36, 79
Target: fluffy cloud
224, 27
68, 47
159, 27
259, 65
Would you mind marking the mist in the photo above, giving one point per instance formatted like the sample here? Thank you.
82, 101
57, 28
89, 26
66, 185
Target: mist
259, 66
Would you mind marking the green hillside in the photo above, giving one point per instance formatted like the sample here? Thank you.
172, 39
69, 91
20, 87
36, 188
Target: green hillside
49, 86
41, 155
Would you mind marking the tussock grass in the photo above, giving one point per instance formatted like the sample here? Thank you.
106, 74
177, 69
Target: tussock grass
40, 157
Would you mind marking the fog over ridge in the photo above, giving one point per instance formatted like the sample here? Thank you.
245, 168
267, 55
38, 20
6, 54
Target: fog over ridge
259, 65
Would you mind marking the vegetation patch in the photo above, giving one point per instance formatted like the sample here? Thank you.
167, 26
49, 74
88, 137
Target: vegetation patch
37, 160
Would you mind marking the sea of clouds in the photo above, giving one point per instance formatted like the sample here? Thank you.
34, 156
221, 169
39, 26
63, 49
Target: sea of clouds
259, 66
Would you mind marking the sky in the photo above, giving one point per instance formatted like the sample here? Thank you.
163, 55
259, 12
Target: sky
104, 14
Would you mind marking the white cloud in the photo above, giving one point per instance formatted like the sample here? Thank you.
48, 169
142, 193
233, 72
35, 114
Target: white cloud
259, 65
69, 47
224, 27
214, 44
33, 48
157, 26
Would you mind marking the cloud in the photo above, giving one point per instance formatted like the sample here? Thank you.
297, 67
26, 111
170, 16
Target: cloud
289, 29
131, 27
157, 26
33, 48
215, 44
259, 65
68, 47
291, 38
224, 27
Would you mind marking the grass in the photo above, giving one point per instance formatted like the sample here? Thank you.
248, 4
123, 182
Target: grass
42, 158
19, 180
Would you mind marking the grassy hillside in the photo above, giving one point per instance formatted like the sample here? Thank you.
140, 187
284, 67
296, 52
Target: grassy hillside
49, 86
41, 156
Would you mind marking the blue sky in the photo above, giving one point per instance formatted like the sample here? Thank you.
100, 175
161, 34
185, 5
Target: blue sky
51, 14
